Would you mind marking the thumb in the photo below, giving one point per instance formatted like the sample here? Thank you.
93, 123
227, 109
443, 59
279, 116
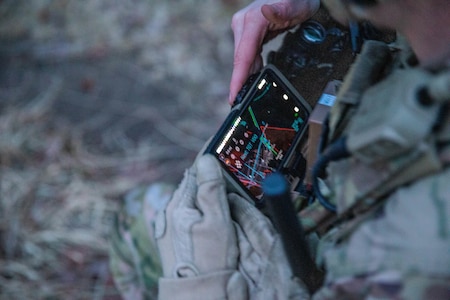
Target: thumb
211, 194
275, 13
285, 14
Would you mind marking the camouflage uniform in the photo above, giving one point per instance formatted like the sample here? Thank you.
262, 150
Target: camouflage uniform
134, 258
391, 243
392, 236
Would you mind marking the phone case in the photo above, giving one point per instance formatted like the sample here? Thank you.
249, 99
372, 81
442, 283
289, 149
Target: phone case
249, 146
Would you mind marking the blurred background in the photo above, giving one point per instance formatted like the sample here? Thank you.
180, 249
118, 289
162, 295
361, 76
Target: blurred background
97, 97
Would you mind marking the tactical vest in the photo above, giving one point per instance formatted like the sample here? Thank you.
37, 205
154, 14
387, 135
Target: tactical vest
394, 120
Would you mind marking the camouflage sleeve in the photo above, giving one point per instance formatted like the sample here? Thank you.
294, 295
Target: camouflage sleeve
401, 251
134, 258
388, 285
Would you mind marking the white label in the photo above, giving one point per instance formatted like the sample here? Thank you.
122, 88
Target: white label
327, 99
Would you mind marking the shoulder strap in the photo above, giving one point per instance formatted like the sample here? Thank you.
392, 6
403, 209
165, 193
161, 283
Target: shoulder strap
368, 68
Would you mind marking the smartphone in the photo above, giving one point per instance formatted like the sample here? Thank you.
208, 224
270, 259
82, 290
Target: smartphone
261, 134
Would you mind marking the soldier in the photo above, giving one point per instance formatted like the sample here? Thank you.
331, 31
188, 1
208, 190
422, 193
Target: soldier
383, 229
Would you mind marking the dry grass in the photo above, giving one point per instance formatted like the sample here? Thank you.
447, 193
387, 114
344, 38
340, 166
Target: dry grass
58, 196
55, 208
57, 193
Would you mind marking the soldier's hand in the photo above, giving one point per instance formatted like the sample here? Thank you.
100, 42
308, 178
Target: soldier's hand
196, 238
257, 23
198, 235
262, 259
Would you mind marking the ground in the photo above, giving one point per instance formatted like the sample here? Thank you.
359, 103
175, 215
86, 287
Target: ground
97, 97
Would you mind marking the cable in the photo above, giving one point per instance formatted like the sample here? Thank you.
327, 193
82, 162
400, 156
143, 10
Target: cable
335, 151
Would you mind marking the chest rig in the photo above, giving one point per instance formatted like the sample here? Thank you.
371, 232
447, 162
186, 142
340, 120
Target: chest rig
389, 127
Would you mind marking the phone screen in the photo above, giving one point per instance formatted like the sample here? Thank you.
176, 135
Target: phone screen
257, 141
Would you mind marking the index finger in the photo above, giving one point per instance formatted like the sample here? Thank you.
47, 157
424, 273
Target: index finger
248, 38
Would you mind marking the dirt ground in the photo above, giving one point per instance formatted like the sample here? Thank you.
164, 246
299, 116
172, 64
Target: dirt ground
97, 97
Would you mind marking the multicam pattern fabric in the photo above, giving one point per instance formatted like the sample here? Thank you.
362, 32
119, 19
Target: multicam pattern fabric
400, 247
398, 250
134, 257
401, 251
359, 268
386, 285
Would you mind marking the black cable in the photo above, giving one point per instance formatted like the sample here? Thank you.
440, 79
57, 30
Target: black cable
335, 151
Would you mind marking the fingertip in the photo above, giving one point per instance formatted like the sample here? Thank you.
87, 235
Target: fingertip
272, 12
269, 10
211, 190
235, 85
208, 169
231, 98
